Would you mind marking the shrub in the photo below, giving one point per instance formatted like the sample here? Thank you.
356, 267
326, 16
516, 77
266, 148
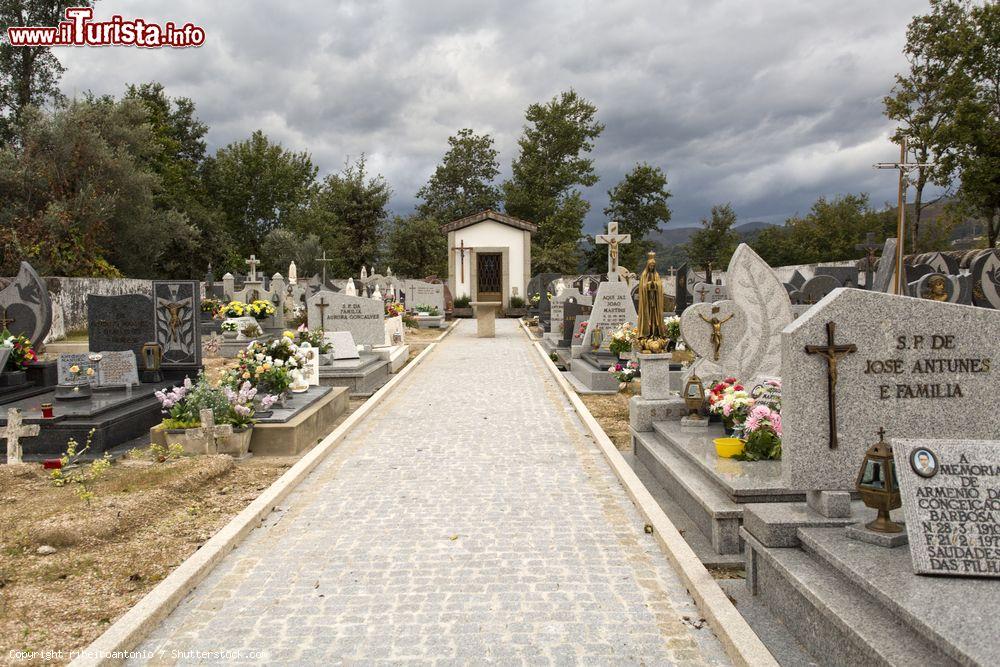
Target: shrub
463, 302
516, 302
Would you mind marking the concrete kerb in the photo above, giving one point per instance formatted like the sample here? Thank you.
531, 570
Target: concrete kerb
128, 631
742, 644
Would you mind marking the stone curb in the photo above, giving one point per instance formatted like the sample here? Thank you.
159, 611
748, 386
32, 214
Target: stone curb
741, 643
128, 631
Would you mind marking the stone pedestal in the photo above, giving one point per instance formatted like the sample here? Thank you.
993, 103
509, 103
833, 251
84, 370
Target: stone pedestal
862, 533
642, 412
655, 369
831, 504
486, 316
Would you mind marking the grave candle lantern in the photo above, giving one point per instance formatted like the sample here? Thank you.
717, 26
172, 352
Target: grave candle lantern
46, 410
152, 359
694, 396
878, 485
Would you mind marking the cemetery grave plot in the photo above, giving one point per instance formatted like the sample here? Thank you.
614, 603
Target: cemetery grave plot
611, 412
145, 519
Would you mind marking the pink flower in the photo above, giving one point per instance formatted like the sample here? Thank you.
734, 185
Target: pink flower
776, 423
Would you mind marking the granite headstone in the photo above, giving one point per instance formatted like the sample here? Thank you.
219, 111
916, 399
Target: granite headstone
612, 306
921, 369
122, 322
362, 317
25, 307
117, 369
950, 491
177, 305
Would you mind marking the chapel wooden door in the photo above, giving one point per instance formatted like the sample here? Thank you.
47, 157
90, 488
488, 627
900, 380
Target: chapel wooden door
489, 276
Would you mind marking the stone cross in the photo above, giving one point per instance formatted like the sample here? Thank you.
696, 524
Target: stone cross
14, 431
612, 239
324, 260
832, 353
252, 263
208, 429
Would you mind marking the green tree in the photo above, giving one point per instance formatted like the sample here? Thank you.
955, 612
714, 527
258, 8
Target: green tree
259, 186
284, 246
29, 76
349, 215
463, 183
77, 198
716, 241
922, 99
976, 131
829, 232
417, 248
552, 163
178, 162
639, 204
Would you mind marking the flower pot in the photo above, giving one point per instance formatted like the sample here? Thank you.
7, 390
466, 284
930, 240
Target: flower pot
230, 335
191, 446
727, 448
236, 445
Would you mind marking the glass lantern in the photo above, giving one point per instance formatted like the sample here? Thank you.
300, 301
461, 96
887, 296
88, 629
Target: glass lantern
694, 396
878, 485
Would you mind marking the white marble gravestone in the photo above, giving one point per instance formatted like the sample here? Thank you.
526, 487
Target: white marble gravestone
420, 293
921, 369
612, 306
755, 289
344, 345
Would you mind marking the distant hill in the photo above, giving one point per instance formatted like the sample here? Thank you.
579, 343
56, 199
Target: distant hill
681, 235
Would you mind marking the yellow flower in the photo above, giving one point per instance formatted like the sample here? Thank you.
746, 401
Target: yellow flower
289, 334
90, 372
266, 367
74, 369
246, 375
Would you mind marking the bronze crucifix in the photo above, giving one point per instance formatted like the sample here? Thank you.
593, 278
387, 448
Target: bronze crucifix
832, 353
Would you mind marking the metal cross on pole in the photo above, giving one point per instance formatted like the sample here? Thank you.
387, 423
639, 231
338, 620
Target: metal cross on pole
832, 353
462, 249
324, 260
904, 167
14, 431
613, 239
252, 263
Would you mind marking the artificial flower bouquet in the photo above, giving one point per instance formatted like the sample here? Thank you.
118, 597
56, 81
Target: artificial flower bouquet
22, 354
731, 401
260, 309
311, 337
232, 309
762, 435
624, 373
622, 338
672, 326
394, 309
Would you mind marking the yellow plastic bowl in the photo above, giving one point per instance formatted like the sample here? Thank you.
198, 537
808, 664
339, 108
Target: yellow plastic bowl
727, 448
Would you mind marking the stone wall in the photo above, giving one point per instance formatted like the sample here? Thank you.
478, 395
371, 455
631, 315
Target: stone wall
69, 299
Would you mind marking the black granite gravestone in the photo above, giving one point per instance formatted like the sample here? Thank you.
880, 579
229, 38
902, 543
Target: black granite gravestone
122, 322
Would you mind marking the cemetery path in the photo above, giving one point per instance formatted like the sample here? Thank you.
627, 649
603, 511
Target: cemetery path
469, 519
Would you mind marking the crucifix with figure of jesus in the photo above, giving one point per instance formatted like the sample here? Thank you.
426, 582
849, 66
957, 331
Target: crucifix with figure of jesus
613, 239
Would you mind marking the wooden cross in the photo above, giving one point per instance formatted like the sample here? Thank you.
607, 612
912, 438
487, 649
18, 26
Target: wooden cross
208, 429
613, 239
461, 253
14, 431
252, 263
322, 305
324, 260
6, 320
904, 167
832, 353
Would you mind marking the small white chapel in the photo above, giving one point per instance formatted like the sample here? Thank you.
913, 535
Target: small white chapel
489, 257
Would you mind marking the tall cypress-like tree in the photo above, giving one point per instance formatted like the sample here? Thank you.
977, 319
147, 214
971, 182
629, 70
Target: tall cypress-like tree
552, 163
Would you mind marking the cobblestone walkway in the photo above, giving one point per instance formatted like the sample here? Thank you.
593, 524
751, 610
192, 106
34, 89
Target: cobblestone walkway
468, 520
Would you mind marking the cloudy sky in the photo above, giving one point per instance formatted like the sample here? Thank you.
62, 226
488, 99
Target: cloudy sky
766, 104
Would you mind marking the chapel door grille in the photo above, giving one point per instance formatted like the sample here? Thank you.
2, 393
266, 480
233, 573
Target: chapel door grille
489, 276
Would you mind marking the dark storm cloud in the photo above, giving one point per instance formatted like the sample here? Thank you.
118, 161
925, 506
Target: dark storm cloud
768, 105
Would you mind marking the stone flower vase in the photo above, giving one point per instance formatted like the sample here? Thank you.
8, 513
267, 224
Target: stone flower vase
191, 446
230, 335
238, 444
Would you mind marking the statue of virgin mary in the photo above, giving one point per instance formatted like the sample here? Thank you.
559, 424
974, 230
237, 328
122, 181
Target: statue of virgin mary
651, 326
